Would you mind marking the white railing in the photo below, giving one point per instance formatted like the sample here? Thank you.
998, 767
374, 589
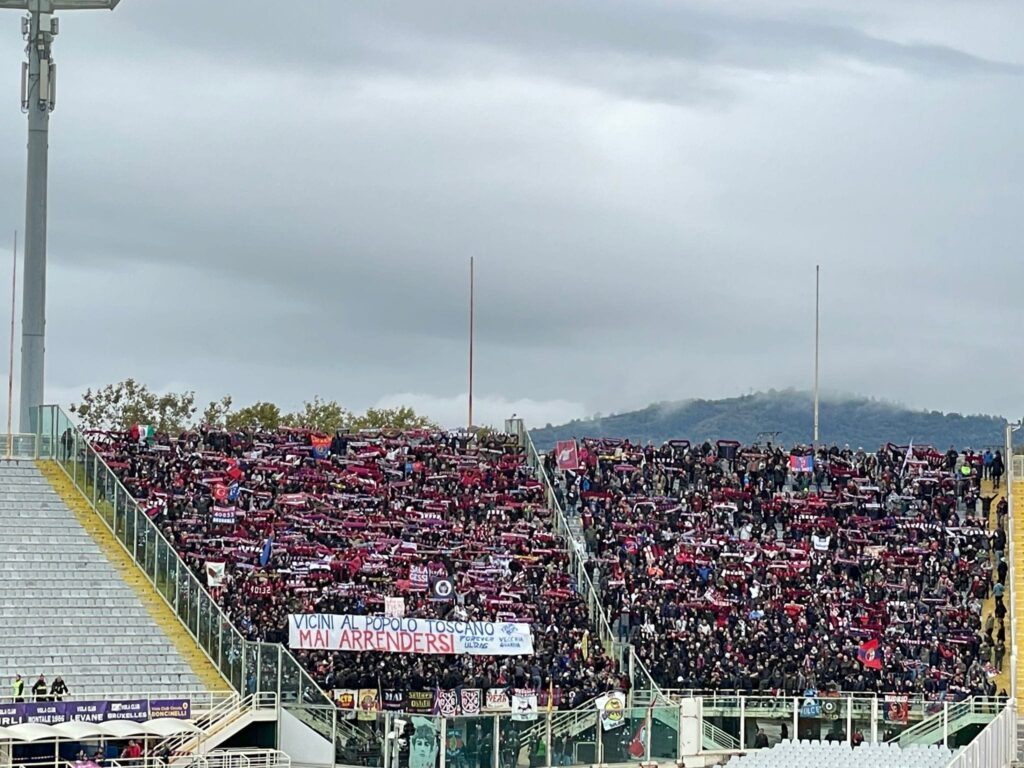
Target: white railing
217, 719
576, 557
245, 758
19, 445
995, 746
202, 701
218, 758
238, 660
723, 739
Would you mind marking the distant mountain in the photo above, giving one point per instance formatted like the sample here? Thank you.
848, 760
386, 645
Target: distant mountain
859, 422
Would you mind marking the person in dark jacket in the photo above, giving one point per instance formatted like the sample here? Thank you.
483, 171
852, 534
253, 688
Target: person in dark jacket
58, 689
40, 689
761, 740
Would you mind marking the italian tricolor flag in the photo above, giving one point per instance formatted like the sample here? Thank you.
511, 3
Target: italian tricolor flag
143, 432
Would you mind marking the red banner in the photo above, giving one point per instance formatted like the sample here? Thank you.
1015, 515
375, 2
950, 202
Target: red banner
567, 454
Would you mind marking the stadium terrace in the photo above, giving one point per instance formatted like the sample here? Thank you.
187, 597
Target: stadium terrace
724, 567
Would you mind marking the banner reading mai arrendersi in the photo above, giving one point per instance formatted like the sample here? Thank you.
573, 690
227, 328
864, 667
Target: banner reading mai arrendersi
398, 635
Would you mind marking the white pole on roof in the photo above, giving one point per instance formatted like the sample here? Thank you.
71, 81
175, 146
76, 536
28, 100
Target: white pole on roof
470, 423
817, 305
10, 356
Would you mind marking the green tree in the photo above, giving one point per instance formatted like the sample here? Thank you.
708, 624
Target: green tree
217, 412
324, 416
258, 417
119, 406
403, 418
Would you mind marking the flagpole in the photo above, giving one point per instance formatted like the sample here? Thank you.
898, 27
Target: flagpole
471, 297
817, 306
10, 358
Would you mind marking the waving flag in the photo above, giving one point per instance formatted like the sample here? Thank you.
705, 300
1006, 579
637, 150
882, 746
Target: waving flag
870, 655
268, 550
233, 491
321, 446
567, 454
906, 459
801, 463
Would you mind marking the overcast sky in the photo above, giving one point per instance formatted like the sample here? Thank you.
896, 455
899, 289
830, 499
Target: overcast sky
277, 200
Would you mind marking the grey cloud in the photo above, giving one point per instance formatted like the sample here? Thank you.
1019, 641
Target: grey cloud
251, 208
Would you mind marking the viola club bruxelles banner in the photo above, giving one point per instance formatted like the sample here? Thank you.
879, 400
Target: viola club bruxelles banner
51, 712
392, 634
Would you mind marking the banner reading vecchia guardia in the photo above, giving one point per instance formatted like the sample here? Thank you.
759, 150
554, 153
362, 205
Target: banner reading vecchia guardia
392, 634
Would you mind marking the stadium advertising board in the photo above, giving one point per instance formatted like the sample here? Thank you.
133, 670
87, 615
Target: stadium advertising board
52, 712
392, 634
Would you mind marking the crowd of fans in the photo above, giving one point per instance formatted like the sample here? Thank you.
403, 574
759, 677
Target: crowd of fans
862, 572
726, 567
307, 524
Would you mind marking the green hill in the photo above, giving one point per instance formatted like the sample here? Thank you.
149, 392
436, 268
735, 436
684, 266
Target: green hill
860, 422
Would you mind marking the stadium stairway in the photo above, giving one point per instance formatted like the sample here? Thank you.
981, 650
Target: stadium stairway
74, 605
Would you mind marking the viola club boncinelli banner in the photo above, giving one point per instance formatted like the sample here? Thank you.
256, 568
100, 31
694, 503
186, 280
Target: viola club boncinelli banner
391, 634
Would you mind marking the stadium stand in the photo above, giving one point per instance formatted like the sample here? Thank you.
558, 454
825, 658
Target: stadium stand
307, 524
809, 754
727, 570
66, 610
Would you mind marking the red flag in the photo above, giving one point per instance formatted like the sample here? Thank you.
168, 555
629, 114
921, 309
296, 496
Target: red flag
568, 456
870, 655
220, 492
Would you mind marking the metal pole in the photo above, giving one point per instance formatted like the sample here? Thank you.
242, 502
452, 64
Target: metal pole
33, 305
471, 329
817, 304
38, 98
10, 358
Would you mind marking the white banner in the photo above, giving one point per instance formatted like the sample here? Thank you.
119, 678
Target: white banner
391, 634
394, 606
214, 574
524, 705
612, 707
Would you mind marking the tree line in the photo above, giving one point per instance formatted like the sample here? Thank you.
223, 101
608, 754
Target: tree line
120, 406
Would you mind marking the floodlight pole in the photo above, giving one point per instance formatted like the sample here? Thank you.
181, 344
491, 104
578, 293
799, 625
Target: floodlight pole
38, 99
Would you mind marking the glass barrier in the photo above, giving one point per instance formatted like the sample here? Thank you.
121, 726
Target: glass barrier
247, 667
773, 715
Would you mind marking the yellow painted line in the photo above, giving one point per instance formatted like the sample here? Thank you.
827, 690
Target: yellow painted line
165, 619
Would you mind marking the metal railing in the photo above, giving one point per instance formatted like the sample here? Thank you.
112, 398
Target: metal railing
19, 445
721, 740
201, 701
216, 720
249, 667
577, 559
218, 758
995, 746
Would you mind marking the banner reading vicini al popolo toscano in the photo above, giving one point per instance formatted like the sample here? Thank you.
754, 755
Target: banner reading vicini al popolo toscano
391, 634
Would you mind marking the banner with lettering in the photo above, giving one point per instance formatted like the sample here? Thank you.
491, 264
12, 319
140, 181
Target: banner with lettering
389, 634
421, 702
393, 700
345, 699
897, 708
497, 700
52, 712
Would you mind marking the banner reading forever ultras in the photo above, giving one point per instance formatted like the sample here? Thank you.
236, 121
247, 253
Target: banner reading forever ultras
392, 634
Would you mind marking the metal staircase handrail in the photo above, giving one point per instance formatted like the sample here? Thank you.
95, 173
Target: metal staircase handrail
214, 721
54, 425
717, 736
576, 564
934, 724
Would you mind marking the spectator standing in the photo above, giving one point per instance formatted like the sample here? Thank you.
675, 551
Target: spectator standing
58, 689
18, 688
40, 689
